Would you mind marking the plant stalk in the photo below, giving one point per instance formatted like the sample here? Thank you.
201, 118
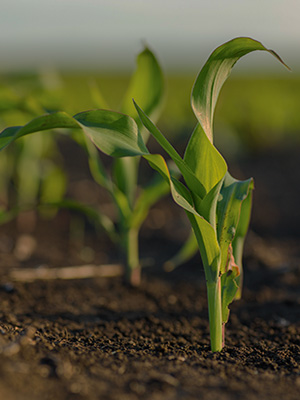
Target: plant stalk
132, 262
216, 326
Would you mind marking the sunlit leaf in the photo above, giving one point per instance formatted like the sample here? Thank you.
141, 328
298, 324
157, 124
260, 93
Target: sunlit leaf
187, 173
113, 133
146, 87
204, 160
213, 75
45, 122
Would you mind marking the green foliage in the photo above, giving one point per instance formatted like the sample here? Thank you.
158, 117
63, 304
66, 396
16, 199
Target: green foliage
30, 165
118, 135
146, 85
217, 205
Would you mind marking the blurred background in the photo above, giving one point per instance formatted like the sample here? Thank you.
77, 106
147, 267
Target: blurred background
65, 46
54, 53
71, 54
105, 35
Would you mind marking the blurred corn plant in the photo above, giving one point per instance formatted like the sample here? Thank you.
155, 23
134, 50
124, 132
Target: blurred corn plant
29, 168
132, 203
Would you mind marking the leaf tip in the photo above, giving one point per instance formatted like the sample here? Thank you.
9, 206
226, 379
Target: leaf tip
279, 59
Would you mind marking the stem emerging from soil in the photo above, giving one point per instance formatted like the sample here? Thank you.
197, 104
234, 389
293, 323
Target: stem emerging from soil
215, 315
132, 262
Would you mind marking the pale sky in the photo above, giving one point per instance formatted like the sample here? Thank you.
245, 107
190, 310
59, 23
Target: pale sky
108, 34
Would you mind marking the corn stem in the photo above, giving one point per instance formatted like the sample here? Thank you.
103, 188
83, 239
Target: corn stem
215, 315
131, 255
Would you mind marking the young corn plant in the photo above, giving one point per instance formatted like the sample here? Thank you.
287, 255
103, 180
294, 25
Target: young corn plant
31, 165
132, 203
217, 205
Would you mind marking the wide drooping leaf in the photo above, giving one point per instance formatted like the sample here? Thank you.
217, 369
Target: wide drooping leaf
113, 133
117, 135
45, 122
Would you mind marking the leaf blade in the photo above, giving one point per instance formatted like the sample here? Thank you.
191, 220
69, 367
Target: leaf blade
45, 122
215, 72
233, 193
204, 159
146, 87
113, 133
190, 178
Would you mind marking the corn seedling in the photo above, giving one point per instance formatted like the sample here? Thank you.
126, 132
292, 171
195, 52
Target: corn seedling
217, 205
132, 203
31, 165
147, 85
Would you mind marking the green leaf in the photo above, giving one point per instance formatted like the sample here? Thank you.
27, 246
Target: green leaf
208, 246
233, 193
146, 87
45, 122
229, 285
208, 206
125, 171
185, 198
97, 97
242, 228
213, 75
180, 193
149, 196
239, 239
96, 166
113, 133
204, 160
193, 183
205, 233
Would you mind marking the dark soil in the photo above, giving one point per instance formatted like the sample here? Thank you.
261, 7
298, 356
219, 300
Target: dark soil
100, 339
